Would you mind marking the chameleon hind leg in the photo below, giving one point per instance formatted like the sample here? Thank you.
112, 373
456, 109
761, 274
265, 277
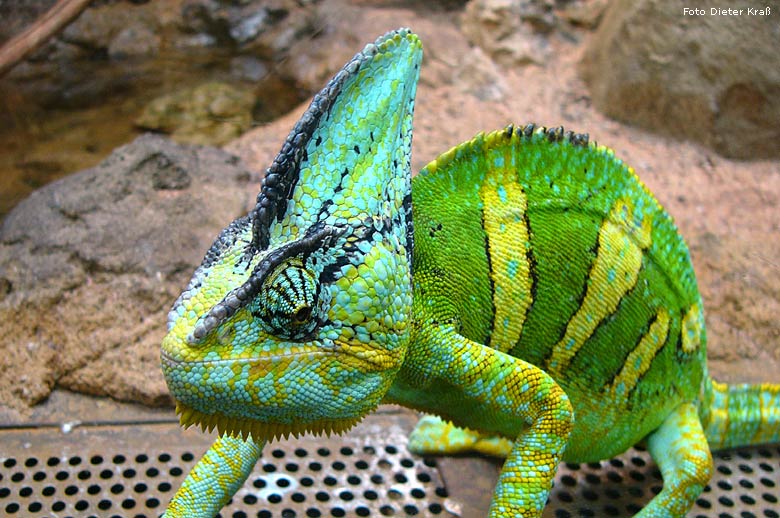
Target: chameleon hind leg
435, 436
680, 449
215, 478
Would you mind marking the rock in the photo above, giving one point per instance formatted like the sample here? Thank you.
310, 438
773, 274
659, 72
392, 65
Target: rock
584, 13
248, 28
17, 16
134, 48
90, 265
512, 32
211, 113
478, 75
96, 28
89, 60
248, 68
248, 25
134, 41
714, 79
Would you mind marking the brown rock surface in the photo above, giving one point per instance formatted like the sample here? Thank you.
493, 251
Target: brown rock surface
91, 320
211, 113
712, 78
512, 32
90, 264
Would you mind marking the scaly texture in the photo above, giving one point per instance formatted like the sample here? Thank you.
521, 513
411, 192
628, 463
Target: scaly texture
543, 301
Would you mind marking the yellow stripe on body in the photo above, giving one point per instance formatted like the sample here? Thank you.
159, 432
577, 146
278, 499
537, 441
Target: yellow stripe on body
692, 329
639, 360
615, 270
504, 208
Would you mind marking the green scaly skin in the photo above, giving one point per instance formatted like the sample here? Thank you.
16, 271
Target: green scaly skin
543, 299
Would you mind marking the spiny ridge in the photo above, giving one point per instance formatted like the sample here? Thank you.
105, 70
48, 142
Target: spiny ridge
557, 134
258, 430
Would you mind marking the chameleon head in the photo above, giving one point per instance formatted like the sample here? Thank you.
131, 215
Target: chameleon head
299, 316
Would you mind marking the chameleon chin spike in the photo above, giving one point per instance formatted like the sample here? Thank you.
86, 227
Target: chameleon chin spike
319, 236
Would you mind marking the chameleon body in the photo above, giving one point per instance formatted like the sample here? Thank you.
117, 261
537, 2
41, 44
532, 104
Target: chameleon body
525, 286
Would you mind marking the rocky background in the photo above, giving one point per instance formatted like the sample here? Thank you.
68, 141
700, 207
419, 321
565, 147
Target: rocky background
90, 264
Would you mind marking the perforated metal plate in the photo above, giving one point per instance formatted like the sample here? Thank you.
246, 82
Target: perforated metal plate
132, 471
745, 485
110, 471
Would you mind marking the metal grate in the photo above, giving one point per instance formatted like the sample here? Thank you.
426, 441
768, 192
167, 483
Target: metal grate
111, 472
744, 485
132, 471
369, 480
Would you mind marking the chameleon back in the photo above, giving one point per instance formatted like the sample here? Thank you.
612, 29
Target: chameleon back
527, 234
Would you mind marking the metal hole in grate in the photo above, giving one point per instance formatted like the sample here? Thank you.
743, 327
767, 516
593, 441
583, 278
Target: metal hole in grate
133, 472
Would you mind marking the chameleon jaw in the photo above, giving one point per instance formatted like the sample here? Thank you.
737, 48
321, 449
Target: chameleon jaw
264, 426
259, 431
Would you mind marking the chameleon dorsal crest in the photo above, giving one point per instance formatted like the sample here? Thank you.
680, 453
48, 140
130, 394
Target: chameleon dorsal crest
288, 281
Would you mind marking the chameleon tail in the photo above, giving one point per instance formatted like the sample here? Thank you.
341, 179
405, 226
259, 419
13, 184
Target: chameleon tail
740, 415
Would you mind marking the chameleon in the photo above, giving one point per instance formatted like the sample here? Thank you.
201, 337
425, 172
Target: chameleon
525, 290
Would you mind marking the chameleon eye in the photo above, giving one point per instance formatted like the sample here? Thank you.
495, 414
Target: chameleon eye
287, 303
302, 315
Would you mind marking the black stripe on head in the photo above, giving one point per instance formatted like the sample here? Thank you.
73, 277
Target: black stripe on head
318, 237
282, 176
225, 240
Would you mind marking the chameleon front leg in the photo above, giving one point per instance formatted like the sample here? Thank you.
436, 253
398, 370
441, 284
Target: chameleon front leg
215, 478
481, 388
680, 449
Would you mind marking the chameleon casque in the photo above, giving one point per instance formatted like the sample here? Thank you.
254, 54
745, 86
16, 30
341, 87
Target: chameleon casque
542, 299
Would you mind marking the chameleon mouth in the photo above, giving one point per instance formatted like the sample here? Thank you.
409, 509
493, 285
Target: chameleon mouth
260, 431
366, 359
168, 359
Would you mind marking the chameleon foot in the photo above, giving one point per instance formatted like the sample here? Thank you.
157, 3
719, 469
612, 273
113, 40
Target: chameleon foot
680, 449
434, 436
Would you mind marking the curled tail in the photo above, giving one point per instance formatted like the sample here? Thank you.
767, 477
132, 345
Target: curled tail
740, 415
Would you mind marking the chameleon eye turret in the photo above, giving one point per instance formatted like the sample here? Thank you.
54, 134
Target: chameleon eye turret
316, 242
288, 305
